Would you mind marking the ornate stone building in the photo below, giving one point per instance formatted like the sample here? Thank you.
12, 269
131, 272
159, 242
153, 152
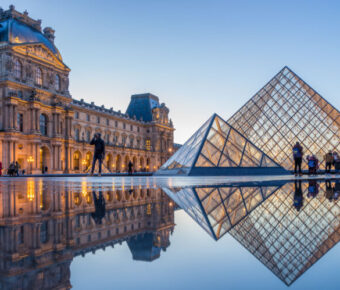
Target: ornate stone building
45, 224
41, 125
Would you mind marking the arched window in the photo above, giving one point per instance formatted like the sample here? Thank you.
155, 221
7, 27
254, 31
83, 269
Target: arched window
88, 136
57, 83
76, 133
17, 69
43, 124
38, 76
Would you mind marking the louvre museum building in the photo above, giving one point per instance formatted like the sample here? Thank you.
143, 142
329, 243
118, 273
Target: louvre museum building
43, 127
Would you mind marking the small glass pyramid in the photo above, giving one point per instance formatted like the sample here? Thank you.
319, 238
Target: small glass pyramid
219, 149
217, 209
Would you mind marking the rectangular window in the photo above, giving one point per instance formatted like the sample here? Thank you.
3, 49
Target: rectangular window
87, 117
138, 129
124, 126
131, 127
116, 124
20, 122
76, 115
107, 122
98, 119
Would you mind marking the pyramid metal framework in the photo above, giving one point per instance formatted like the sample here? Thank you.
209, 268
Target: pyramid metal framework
217, 209
285, 240
287, 110
218, 149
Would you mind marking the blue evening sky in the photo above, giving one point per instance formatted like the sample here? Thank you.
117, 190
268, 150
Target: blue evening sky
199, 57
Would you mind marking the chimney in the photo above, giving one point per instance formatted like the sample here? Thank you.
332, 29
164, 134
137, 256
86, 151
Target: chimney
49, 33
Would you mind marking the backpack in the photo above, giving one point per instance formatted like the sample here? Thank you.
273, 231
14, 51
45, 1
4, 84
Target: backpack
311, 163
296, 152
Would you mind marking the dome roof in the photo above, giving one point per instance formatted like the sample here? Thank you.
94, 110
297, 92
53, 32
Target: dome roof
15, 32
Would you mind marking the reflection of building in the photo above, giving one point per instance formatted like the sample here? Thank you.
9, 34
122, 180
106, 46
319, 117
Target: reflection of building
218, 149
262, 217
287, 110
43, 225
40, 122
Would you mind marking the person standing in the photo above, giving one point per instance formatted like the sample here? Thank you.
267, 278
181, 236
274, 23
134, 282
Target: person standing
297, 155
17, 168
130, 167
329, 159
0, 168
99, 152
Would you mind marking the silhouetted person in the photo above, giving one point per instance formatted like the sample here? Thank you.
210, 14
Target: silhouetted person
297, 155
0, 168
99, 205
17, 167
329, 192
313, 188
130, 167
46, 169
99, 152
329, 159
298, 197
336, 189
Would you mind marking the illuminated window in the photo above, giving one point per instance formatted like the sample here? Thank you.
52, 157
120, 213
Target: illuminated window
148, 144
17, 69
38, 76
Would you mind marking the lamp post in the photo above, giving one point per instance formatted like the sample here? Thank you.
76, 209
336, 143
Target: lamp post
84, 164
30, 160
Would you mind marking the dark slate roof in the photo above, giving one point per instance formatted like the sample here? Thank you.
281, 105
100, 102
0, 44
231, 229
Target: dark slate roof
143, 249
13, 31
141, 106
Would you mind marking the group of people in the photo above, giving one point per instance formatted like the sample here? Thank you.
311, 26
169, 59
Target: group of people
332, 192
331, 159
13, 169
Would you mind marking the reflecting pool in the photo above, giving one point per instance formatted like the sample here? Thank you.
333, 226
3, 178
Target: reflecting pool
169, 233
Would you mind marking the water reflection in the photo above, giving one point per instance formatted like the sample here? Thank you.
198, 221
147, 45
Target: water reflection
288, 227
44, 225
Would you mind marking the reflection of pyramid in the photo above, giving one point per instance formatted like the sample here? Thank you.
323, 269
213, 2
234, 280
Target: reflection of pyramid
288, 241
218, 149
217, 209
287, 110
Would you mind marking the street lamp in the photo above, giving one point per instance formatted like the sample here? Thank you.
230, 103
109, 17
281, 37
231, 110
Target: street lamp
84, 162
30, 160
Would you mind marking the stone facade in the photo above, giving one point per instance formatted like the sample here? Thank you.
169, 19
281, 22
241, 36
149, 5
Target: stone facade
44, 225
41, 125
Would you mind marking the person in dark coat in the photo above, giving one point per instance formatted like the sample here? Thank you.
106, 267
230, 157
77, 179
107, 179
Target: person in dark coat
298, 196
99, 205
99, 152
130, 167
297, 155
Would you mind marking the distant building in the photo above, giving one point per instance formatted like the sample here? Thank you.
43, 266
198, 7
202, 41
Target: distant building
41, 125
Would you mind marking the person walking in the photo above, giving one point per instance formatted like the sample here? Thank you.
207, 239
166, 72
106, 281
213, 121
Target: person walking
329, 159
297, 155
99, 152
130, 167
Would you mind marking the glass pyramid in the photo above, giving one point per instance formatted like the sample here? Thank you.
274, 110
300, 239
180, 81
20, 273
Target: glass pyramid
218, 149
217, 209
287, 110
288, 241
